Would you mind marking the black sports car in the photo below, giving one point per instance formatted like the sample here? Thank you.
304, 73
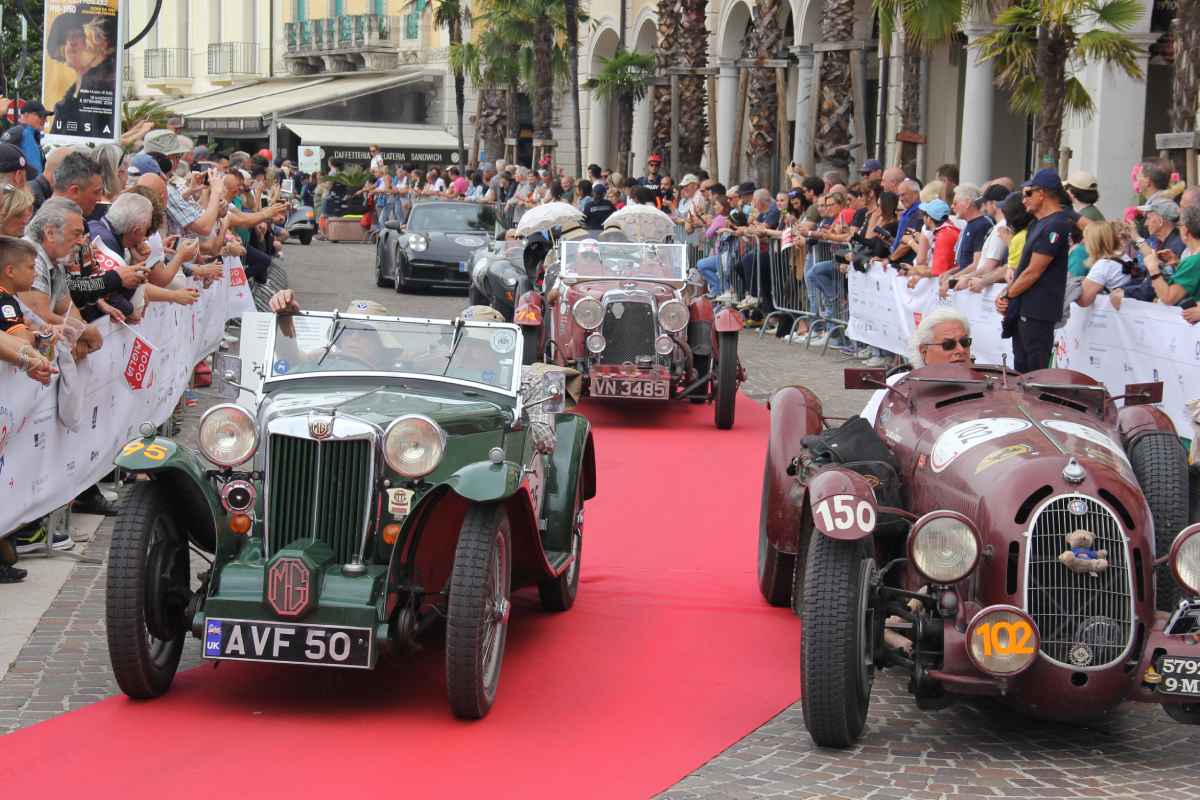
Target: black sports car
436, 247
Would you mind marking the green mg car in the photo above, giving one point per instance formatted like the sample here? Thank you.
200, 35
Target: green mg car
377, 476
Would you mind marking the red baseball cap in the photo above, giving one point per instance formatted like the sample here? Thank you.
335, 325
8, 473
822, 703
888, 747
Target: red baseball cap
655, 158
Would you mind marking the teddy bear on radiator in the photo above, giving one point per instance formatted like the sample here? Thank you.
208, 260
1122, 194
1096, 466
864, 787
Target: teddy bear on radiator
1081, 558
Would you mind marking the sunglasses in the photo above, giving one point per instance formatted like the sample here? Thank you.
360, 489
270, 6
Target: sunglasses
948, 344
1029, 192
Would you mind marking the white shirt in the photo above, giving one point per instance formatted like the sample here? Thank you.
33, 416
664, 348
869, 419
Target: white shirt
1108, 273
993, 246
377, 161
871, 409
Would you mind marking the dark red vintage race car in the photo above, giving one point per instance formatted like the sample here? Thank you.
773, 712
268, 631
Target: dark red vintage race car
627, 318
1016, 536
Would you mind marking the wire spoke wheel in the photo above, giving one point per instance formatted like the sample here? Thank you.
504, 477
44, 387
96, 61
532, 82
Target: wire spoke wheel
479, 608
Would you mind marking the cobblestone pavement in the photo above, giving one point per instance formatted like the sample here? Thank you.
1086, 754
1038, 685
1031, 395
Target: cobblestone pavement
970, 750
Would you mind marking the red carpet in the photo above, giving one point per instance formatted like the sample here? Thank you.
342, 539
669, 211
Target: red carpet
669, 656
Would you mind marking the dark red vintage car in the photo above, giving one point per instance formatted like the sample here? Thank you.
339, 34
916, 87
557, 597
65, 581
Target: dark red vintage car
627, 318
1019, 536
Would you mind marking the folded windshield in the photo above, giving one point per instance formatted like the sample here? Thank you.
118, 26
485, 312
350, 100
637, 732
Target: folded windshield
485, 354
589, 258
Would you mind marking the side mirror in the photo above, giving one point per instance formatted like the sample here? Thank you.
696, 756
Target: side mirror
394, 225
555, 400
227, 372
863, 378
1138, 394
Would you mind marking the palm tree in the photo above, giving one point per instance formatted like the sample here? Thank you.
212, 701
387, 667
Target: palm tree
664, 59
835, 96
571, 19
692, 52
765, 38
492, 69
1186, 80
923, 24
623, 79
1039, 48
452, 15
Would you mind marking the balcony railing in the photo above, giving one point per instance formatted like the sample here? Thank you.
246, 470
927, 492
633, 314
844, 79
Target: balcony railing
343, 33
167, 62
233, 58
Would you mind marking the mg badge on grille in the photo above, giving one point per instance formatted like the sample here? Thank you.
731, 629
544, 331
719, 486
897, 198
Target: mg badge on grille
288, 587
320, 427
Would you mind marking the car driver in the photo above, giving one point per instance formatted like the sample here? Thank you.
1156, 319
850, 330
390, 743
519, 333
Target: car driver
357, 348
943, 337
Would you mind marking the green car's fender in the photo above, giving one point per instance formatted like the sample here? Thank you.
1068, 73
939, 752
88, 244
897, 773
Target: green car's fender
485, 482
572, 466
197, 507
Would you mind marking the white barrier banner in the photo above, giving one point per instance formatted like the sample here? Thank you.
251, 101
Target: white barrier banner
1140, 343
884, 312
43, 462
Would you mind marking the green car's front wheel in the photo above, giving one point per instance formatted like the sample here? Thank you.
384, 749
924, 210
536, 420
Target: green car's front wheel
477, 617
147, 593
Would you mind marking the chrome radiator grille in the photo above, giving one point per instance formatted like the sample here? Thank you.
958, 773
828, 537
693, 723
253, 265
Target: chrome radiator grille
629, 330
1085, 621
317, 490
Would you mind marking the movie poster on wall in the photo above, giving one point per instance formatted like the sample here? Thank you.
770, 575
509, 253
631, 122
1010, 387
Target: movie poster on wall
81, 74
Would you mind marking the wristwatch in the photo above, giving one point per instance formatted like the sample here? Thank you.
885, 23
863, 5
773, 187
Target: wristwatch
1156, 276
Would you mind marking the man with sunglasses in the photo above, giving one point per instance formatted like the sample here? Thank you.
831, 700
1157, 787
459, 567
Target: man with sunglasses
1033, 302
943, 337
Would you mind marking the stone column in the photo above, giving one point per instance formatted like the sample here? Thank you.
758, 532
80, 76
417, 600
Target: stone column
598, 133
802, 148
640, 141
975, 146
727, 101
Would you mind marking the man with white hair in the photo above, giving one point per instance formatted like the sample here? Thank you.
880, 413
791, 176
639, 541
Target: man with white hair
943, 337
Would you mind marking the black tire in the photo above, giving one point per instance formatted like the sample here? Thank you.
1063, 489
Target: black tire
147, 593
305, 238
1185, 713
1193, 494
477, 616
838, 637
558, 594
380, 281
1160, 464
400, 283
774, 568
531, 352
726, 389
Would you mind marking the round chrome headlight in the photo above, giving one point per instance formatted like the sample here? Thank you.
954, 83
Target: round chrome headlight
595, 343
1002, 640
943, 546
1185, 558
664, 345
228, 435
673, 316
588, 312
414, 445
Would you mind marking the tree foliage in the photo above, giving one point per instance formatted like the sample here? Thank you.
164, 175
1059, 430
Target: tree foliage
21, 65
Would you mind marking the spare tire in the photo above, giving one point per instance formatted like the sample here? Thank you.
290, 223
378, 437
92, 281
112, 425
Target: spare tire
1161, 467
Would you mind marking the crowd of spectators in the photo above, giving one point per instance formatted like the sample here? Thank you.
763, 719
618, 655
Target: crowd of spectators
87, 233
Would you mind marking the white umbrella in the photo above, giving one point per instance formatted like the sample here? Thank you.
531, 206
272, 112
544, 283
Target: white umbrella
545, 217
642, 223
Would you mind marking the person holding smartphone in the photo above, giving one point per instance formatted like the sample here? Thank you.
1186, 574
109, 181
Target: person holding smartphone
1184, 283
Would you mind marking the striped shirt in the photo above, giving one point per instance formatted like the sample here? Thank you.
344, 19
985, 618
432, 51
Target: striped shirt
181, 212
